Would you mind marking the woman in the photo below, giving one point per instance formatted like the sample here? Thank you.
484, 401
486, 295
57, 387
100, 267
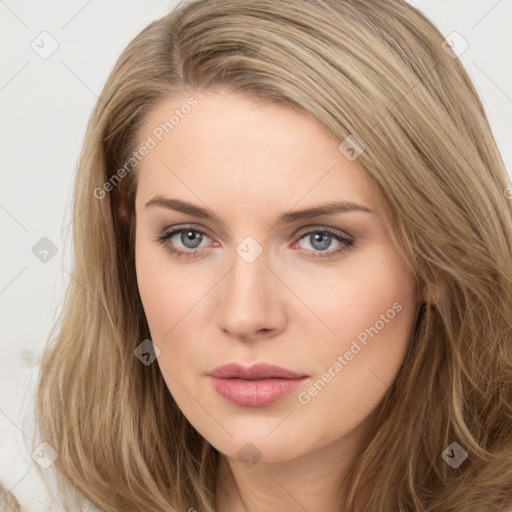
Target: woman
293, 282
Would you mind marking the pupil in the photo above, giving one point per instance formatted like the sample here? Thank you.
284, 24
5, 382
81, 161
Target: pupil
324, 241
191, 236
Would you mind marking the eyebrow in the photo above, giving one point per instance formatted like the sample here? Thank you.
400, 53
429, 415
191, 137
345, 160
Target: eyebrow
288, 217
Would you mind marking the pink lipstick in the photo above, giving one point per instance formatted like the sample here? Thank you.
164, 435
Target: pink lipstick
259, 385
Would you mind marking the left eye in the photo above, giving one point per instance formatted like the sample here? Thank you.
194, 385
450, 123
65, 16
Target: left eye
321, 240
190, 238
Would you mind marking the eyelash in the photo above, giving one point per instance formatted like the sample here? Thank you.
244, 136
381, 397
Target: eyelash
193, 253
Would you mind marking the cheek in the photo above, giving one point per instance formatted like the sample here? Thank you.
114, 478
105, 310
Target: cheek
371, 308
167, 293
170, 298
354, 376
369, 290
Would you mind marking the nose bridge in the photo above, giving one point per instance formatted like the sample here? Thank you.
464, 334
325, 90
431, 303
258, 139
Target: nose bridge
249, 296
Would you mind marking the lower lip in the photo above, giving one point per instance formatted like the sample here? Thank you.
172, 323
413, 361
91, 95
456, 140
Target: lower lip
255, 393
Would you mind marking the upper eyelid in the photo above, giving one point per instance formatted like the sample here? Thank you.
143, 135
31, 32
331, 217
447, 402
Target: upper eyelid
300, 234
178, 228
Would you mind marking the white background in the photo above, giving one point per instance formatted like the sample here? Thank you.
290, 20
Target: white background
46, 104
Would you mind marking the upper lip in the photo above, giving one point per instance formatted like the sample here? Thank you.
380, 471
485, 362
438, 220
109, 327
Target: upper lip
254, 372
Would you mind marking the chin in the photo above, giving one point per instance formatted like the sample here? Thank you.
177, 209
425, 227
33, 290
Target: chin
258, 446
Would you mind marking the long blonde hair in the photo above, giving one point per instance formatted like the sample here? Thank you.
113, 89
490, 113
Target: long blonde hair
375, 70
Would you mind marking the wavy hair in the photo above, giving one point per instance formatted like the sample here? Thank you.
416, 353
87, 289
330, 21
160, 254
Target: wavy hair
375, 70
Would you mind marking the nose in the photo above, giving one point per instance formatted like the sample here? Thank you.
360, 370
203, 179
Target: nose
251, 305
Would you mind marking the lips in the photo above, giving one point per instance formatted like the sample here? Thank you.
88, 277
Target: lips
255, 386
257, 371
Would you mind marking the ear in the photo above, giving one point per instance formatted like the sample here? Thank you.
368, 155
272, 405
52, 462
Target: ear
124, 214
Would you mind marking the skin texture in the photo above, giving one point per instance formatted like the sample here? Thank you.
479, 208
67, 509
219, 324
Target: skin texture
249, 162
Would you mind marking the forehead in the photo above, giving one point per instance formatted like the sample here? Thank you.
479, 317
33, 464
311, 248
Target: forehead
228, 144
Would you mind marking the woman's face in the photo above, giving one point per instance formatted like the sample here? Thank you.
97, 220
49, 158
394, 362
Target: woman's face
324, 295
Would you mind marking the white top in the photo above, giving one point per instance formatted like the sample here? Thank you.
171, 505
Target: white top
27, 471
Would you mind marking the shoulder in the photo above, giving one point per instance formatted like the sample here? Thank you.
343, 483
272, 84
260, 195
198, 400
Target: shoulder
28, 476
